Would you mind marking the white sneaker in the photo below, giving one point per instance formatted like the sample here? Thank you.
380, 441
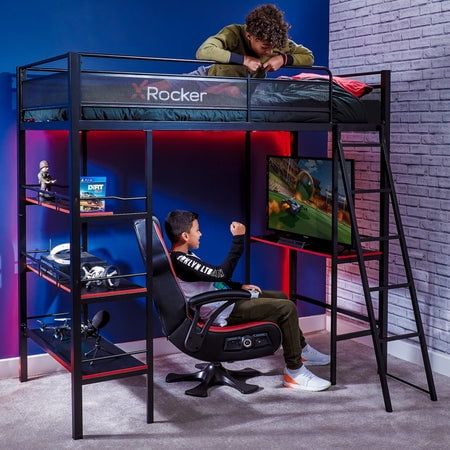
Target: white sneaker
312, 357
304, 380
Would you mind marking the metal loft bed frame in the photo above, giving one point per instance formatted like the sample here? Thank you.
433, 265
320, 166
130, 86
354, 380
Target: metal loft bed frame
75, 88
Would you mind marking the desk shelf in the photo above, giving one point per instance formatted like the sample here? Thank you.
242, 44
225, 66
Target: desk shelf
347, 257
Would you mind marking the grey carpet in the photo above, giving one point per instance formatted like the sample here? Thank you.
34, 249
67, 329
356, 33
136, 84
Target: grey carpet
37, 414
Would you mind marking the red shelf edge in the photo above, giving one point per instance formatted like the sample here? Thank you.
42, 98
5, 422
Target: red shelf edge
312, 252
114, 372
48, 278
65, 364
61, 361
140, 290
65, 210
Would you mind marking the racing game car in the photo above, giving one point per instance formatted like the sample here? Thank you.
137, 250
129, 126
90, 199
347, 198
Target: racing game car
291, 206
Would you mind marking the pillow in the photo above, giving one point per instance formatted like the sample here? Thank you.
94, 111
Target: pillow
355, 87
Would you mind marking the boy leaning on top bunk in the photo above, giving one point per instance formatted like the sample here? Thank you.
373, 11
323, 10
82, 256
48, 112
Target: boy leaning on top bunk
196, 276
260, 46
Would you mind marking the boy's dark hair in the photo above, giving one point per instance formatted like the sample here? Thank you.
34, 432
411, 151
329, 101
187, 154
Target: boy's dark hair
177, 222
266, 23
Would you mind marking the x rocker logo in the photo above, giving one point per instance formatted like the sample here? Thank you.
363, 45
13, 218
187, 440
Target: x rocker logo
139, 89
152, 93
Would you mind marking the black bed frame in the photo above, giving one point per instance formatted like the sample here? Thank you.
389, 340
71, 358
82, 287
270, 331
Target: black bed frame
78, 127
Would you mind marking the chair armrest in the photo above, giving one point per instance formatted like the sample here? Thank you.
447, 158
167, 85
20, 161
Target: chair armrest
230, 295
195, 336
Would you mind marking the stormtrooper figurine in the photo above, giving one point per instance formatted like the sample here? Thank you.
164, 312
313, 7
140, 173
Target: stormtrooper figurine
45, 181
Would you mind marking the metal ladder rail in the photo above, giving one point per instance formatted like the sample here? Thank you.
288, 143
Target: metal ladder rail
337, 147
407, 266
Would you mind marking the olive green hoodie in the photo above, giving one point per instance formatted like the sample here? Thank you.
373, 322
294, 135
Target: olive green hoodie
230, 45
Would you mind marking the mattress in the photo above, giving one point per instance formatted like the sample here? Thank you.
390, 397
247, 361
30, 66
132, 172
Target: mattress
192, 99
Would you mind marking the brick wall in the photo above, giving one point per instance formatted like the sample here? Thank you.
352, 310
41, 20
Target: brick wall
412, 39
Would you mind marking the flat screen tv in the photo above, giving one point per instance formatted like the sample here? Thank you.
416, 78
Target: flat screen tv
299, 200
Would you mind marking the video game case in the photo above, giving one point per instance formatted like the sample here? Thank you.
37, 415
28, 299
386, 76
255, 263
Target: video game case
90, 189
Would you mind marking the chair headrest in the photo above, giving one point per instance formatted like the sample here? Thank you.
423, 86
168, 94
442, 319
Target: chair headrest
156, 221
168, 296
160, 253
139, 227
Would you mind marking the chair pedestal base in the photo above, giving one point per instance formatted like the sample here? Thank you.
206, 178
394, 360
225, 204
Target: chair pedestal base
215, 374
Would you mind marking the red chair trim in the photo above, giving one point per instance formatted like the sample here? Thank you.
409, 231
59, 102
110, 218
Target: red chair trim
239, 327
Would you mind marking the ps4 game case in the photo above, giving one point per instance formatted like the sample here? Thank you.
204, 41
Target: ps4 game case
91, 191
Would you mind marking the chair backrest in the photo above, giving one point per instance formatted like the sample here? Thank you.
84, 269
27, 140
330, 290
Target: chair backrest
167, 295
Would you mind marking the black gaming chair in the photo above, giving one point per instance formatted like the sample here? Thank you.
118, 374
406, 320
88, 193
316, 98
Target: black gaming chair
183, 327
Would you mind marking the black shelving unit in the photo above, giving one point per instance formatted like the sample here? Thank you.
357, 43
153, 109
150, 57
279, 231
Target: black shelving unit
110, 362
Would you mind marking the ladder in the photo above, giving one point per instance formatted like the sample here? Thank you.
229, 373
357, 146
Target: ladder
378, 326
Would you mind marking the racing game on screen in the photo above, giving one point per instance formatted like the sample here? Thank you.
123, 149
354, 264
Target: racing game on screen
299, 198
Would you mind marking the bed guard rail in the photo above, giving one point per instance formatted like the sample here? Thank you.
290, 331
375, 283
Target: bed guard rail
87, 71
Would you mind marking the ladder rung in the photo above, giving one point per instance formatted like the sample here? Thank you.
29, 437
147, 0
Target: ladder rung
391, 286
353, 335
400, 336
379, 238
371, 191
369, 256
361, 144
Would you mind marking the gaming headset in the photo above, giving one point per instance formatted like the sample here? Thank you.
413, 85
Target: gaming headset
61, 255
57, 252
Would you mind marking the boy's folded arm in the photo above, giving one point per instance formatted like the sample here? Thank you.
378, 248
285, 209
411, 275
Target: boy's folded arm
220, 47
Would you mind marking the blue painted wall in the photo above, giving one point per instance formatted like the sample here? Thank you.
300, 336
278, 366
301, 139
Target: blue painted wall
36, 30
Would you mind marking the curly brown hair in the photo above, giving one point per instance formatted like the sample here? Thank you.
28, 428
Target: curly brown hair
266, 23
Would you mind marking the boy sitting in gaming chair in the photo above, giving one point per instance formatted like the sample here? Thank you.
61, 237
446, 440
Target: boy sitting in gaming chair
196, 276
